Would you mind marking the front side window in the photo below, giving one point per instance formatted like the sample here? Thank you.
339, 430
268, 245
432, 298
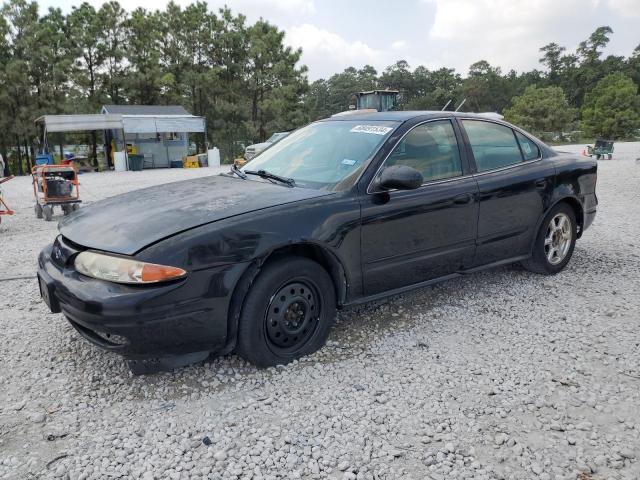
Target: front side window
327, 155
493, 145
430, 148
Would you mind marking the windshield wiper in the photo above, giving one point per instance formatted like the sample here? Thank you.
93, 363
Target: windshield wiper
238, 172
271, 176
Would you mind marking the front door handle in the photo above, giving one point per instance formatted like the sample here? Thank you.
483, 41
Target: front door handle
541, 184
463, 199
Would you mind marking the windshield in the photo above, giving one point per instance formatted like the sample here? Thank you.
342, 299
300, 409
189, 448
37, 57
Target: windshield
277, 136
325, 155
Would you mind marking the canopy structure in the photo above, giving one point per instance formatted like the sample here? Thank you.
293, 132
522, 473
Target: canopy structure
128, 123
159, 133
162, 123
80, 123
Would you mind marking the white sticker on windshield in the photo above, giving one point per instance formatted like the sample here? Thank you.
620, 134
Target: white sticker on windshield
374, 129
348, 161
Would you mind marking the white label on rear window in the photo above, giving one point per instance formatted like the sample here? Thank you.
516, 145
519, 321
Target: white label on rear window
374, 129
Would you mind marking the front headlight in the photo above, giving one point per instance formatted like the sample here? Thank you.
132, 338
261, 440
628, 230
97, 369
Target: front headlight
124, 270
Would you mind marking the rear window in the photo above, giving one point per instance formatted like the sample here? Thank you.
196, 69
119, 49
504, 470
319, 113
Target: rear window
493, 145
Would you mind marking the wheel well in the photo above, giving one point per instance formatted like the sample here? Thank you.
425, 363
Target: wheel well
319, 255
314, 252
577, 210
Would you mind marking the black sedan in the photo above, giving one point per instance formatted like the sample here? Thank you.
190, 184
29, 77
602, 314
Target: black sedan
342, 211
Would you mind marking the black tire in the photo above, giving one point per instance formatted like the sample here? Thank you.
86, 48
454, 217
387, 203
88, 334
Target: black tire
66, 210
540, 261
598, 157
38, 210
47, 212
75, 207
287, 313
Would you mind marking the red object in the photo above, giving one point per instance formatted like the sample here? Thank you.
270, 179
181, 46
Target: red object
4, 208
39, 175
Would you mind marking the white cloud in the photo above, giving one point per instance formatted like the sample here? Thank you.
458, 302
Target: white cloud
293, 8
503, 32
399, 45
326, 52
629, 8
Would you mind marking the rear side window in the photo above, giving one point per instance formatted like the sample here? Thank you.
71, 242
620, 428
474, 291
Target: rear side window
530, 150
494, 146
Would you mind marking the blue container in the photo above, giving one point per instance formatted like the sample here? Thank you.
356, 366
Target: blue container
44, 159
176, 163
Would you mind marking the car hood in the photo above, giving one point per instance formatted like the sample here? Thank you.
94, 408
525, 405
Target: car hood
127, 223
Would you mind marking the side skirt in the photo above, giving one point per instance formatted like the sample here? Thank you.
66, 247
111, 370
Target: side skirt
427, 283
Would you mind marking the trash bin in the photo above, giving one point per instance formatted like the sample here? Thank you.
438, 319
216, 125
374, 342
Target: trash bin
44, 159
119, 161
136, 162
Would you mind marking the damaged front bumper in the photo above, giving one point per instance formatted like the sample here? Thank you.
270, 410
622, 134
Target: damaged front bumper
165, 325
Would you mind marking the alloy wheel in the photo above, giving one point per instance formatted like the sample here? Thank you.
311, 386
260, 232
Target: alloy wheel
557, 240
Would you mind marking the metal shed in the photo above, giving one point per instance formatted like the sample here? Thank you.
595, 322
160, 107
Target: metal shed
158, 133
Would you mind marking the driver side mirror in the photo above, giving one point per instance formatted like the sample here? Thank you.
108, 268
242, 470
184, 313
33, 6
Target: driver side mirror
400, 177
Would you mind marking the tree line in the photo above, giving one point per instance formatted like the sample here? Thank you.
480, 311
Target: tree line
572, 91
240, 76
248, 83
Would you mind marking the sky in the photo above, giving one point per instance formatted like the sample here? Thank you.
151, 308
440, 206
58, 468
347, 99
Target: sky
335, 34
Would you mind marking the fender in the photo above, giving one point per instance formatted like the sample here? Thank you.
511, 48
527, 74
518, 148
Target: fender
330, 261
575, 203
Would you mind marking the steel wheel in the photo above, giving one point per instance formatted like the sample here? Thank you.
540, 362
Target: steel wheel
292, 316
557, 240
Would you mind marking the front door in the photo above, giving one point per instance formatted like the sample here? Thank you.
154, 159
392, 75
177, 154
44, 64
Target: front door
417, 235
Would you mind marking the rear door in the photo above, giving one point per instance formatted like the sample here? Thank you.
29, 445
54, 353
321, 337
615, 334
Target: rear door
515, 186
411, 236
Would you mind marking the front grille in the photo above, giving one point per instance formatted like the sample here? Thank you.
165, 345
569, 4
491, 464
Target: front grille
105, 340
63, 251
112, 338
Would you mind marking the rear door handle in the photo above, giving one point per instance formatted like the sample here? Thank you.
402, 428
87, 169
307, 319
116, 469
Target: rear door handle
463, 199
541, 184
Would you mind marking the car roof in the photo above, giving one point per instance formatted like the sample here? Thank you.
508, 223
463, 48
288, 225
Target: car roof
400, 115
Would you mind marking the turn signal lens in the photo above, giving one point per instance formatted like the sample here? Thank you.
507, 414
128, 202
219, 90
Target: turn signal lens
124, 270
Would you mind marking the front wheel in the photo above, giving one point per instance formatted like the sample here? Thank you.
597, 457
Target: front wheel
288, 312
554, 242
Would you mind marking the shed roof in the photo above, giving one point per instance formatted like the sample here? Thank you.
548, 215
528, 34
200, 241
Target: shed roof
78, 123
145, 109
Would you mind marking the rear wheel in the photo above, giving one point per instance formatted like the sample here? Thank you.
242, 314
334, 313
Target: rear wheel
38, 210
287, 313
554, 242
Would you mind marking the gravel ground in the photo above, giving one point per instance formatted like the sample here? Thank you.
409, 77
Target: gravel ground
503, 374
